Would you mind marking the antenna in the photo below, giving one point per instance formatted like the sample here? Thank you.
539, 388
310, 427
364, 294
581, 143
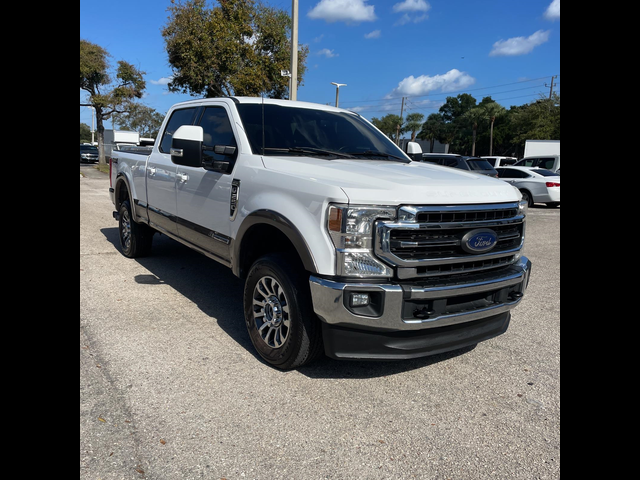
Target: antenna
263, 125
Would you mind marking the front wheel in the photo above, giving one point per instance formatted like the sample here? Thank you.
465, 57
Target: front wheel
279, 315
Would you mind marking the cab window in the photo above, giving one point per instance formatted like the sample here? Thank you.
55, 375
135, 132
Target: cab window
178, 118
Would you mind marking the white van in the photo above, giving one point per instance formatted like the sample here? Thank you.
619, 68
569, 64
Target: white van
500, 161
548, 162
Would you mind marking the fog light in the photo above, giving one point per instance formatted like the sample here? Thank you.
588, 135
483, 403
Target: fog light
359, 299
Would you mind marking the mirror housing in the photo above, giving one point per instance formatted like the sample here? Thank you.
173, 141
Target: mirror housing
414, 151
186, 146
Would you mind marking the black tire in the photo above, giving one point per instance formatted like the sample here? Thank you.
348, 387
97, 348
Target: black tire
279, 314
135, 238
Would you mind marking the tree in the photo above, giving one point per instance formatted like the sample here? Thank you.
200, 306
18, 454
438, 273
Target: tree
106, 96
413, 124
85, 133
389, 125
485, 113
458, 127
236, 48
142, 119
433, 129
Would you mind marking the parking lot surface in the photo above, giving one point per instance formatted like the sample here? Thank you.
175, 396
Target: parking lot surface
170, 386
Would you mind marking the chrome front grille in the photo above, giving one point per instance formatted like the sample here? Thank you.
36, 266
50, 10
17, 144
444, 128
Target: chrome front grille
428, 241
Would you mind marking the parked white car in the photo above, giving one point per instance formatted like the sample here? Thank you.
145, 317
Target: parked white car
536, 184
500, 161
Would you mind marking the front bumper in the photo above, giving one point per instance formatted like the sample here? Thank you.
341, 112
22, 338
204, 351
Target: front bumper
406, 320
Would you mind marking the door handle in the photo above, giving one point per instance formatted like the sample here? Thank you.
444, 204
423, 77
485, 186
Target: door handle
151, 170
183, 177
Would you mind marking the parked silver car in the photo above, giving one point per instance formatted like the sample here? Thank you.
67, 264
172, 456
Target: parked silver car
536, 184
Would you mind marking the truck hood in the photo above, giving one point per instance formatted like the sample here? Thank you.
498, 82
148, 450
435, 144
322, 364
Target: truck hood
384, 182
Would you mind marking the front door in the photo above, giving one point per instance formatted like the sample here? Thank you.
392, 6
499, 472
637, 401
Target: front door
203, 195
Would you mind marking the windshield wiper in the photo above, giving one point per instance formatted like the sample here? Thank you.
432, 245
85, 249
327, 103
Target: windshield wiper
309, 151
371, 153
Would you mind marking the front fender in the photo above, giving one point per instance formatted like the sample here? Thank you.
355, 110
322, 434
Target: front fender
282, 223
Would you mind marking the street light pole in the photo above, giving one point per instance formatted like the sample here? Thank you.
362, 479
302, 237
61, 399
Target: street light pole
293, 91
338, 85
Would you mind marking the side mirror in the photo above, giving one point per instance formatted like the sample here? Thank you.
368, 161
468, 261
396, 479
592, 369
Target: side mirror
186, 146
414, 151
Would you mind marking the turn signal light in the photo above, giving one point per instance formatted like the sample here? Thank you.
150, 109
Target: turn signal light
335, 219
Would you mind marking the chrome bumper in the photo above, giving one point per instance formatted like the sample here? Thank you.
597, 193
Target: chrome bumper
442, 305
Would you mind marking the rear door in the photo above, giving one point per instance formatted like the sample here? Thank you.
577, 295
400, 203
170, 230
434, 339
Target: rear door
161, 175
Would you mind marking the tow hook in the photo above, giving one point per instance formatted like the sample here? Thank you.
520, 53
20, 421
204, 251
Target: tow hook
422, 313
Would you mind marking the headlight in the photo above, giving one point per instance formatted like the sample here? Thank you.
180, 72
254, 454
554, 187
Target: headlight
351, 230
523, 207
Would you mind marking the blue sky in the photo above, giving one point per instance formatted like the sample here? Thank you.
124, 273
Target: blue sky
424, 50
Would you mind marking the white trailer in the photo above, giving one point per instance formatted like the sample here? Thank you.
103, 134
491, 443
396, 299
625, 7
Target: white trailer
113, 139
541, 147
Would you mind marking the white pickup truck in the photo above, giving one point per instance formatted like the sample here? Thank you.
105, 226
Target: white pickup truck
347, 247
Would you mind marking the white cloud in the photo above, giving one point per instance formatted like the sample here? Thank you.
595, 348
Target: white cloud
519, 45
328, 53
162, 81
348, 11
412, 6
553, 11
451, 81
374, 34
406, 18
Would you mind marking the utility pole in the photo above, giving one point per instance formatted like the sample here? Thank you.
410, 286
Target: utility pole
551, 89
293, 91
398, 130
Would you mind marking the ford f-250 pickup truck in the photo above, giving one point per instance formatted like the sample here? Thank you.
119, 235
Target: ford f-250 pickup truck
346, 246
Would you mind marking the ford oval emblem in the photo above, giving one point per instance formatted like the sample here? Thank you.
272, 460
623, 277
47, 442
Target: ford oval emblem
479, 241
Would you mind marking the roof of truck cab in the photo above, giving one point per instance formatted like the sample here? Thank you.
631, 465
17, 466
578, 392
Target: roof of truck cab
268, 101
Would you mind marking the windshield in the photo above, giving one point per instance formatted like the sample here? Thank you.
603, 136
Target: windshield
308, 131
88, 148
479, 164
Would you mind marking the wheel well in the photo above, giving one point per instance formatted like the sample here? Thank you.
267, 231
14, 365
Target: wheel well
122, 192
260, 240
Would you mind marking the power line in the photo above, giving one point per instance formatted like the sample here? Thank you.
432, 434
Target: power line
453, 92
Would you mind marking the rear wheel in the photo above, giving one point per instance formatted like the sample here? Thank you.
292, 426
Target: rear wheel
135, 238
279, 315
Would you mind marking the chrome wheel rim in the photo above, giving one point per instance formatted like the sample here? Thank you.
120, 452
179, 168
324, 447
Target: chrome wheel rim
271, 312
125, 230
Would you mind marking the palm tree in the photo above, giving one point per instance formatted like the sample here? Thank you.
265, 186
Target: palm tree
485, 111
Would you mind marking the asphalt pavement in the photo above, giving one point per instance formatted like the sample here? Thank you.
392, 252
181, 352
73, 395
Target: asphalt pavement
170, 387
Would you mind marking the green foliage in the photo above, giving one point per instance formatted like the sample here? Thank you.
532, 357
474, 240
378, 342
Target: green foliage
459, 119
85, 133
105, 96
142, 119
413, 123
388, 125
236, 48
